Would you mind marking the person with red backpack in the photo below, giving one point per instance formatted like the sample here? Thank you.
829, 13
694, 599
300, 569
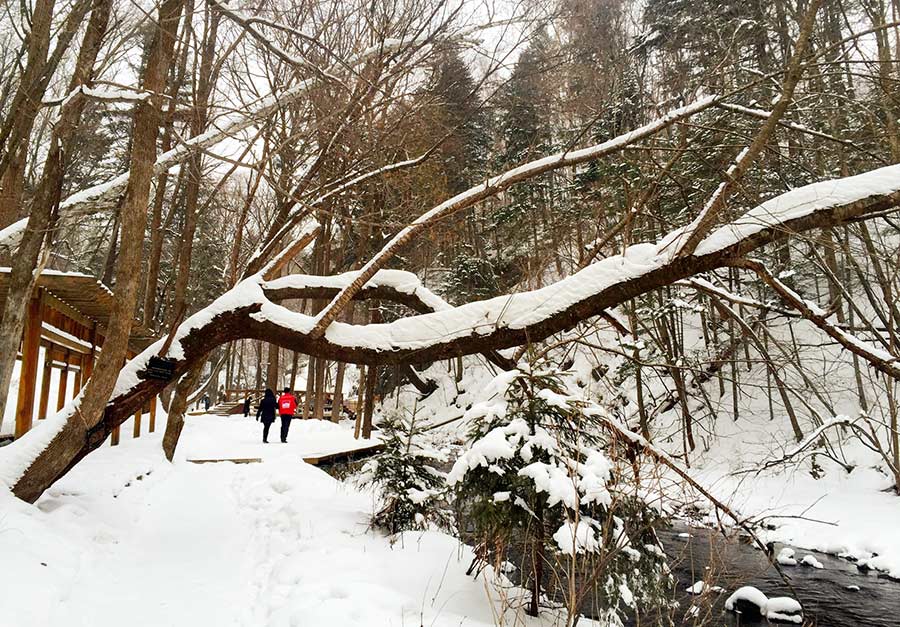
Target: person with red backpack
287, 404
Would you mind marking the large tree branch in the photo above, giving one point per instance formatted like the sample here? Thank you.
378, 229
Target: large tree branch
246, 312
492, 187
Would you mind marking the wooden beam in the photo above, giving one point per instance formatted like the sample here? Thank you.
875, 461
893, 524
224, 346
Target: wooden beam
67, 310
114, 437
137, 423
61, 340
152, 414
325, 459
45, 390
233, 460
63, 384
31, 344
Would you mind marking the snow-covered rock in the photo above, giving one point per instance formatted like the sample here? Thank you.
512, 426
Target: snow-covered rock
809, 560
786, 557
748, 601
785, 610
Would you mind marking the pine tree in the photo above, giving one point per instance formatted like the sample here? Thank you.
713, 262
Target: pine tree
535, 481
411, 488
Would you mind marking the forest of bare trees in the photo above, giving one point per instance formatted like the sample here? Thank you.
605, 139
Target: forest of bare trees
175, 151
704, 191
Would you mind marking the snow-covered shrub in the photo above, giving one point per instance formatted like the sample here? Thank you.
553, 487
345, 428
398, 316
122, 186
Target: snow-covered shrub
536, 485
410, 487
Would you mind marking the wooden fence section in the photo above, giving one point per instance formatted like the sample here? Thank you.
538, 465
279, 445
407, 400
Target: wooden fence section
238, 395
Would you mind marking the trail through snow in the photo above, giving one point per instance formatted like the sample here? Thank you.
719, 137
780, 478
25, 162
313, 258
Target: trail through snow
127, 538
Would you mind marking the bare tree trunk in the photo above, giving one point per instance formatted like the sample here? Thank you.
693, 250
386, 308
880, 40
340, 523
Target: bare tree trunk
25, 106
46, 199
157, 231
337, 397
56, 458
199, 123
369, 406
258, 382
177, 408
272, 368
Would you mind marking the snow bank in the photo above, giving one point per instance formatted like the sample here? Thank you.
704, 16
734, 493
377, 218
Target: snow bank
272, 543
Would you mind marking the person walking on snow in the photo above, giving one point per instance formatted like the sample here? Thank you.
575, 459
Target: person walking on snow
266, 412
287, 404
247, 401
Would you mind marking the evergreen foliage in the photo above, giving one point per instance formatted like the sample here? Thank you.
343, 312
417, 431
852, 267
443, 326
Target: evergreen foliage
535, 482
411, 488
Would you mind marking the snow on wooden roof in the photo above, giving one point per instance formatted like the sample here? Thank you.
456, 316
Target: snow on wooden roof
81, 292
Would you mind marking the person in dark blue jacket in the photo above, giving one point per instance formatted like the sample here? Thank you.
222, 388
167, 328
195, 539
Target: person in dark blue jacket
266, 411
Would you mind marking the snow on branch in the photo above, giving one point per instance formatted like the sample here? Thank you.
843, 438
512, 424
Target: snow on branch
514, 319
494, 186
105, 195
881, 360
762, 114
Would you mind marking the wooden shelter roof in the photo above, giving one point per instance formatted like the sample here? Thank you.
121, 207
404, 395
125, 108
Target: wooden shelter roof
82, 294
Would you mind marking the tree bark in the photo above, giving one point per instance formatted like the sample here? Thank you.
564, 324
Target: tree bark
46, 200
177, 408
90, 407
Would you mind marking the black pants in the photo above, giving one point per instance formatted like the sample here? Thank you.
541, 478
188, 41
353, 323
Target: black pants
285, 426
266, 426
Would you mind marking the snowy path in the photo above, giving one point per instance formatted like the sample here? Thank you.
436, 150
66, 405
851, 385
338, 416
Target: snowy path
278, 543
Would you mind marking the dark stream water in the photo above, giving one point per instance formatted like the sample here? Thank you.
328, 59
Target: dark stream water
829, 595
827, 601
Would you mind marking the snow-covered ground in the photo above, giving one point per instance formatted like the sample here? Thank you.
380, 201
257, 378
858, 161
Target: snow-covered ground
848, 514
852, 515
128, 539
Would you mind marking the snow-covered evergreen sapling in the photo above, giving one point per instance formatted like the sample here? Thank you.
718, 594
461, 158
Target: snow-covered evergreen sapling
410, 487
535, 484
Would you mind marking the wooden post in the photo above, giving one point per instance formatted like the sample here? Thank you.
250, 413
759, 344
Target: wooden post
78, 375
31, 345
45, 390
114, 437
63, 382
137, 423
369, 405
87, 362
152, 414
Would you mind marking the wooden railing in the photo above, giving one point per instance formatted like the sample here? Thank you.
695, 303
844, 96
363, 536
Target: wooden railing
238, 395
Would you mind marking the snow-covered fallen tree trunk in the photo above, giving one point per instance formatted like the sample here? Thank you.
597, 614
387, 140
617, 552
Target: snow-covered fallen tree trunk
248, 311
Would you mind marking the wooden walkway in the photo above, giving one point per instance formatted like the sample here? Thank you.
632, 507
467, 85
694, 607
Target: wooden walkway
233, 460
318, 459
341, 457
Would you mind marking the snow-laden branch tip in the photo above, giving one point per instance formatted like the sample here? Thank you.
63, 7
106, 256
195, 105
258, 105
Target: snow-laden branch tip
809, 441
880, 359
